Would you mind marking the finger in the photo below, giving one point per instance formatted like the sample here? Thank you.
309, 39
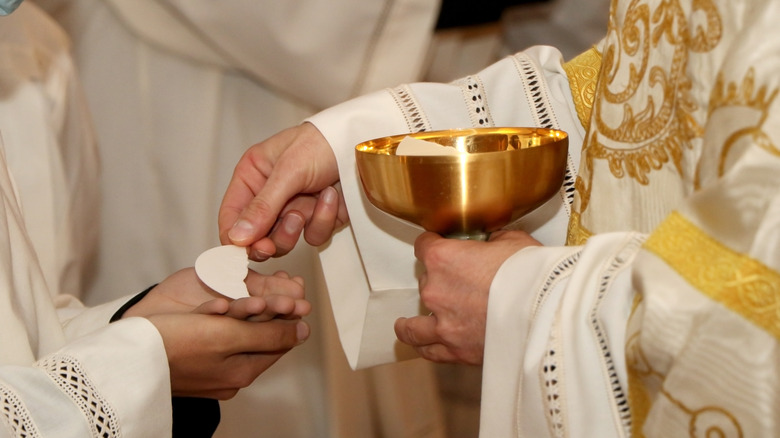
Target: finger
262, 250
280, 157
261, 212
517, 235
302, 308
216, 306
324, 217
272, 336
247, 180
280, 305
237, 195
299, 280
423, 244
422, 280
286, 233
265, 285
284, 274
438, 353
244, 308
417, 331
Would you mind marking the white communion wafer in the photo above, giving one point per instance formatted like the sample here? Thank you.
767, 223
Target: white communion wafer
224, 269
415, 146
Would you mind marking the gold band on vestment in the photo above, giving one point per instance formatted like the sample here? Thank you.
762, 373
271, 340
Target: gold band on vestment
583, 73
740, 283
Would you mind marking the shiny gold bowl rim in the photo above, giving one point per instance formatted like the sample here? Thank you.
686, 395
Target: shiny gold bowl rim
377, 146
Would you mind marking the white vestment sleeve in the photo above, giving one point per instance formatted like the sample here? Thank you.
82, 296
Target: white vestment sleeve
54, 383
111, 383
78, 320
369, 265
557, 339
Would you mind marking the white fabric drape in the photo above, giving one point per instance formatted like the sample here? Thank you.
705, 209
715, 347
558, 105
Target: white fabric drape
50, 147
62, 371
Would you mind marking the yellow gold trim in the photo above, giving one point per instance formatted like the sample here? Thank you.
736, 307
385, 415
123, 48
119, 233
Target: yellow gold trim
583, 73
639, 399
576, 234
740, 283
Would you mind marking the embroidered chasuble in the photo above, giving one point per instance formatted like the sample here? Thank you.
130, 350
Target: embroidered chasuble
653, 309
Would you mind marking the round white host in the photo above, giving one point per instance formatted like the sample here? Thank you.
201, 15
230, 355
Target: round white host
224, 268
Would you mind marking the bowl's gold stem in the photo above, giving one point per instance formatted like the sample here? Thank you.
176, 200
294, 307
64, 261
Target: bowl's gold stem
473, 236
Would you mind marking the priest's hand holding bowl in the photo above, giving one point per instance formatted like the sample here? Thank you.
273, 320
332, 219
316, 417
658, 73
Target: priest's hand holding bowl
465, 184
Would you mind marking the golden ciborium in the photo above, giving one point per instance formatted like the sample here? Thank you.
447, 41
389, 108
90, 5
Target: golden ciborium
498, 176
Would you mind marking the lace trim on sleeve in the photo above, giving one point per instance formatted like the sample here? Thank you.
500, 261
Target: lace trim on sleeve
561, 270
549, 375
544, 115
618, 392
551, 385
474, 95
67, 373
535, 92
415, 119
16, 415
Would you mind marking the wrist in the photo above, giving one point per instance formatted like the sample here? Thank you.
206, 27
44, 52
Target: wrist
119, 314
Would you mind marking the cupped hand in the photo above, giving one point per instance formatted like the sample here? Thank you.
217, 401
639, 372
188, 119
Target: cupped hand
455, 288
274, 296
215, 345
214, 356
280, 188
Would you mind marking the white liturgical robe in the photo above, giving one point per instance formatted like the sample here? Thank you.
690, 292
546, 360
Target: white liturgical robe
660, 317
63, 370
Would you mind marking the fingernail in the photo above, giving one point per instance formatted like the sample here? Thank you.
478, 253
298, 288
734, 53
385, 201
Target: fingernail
329, 195
302, 331
259, 256
241, 231
292, 223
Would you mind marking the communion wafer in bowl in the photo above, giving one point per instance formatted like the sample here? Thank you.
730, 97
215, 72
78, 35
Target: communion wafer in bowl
500, 175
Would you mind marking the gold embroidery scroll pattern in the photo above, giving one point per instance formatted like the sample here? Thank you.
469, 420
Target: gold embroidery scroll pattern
659, 133
644, 381
746, 95
583, 73
655, 136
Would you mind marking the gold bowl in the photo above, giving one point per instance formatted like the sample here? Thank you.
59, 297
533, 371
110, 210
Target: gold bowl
501, 175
